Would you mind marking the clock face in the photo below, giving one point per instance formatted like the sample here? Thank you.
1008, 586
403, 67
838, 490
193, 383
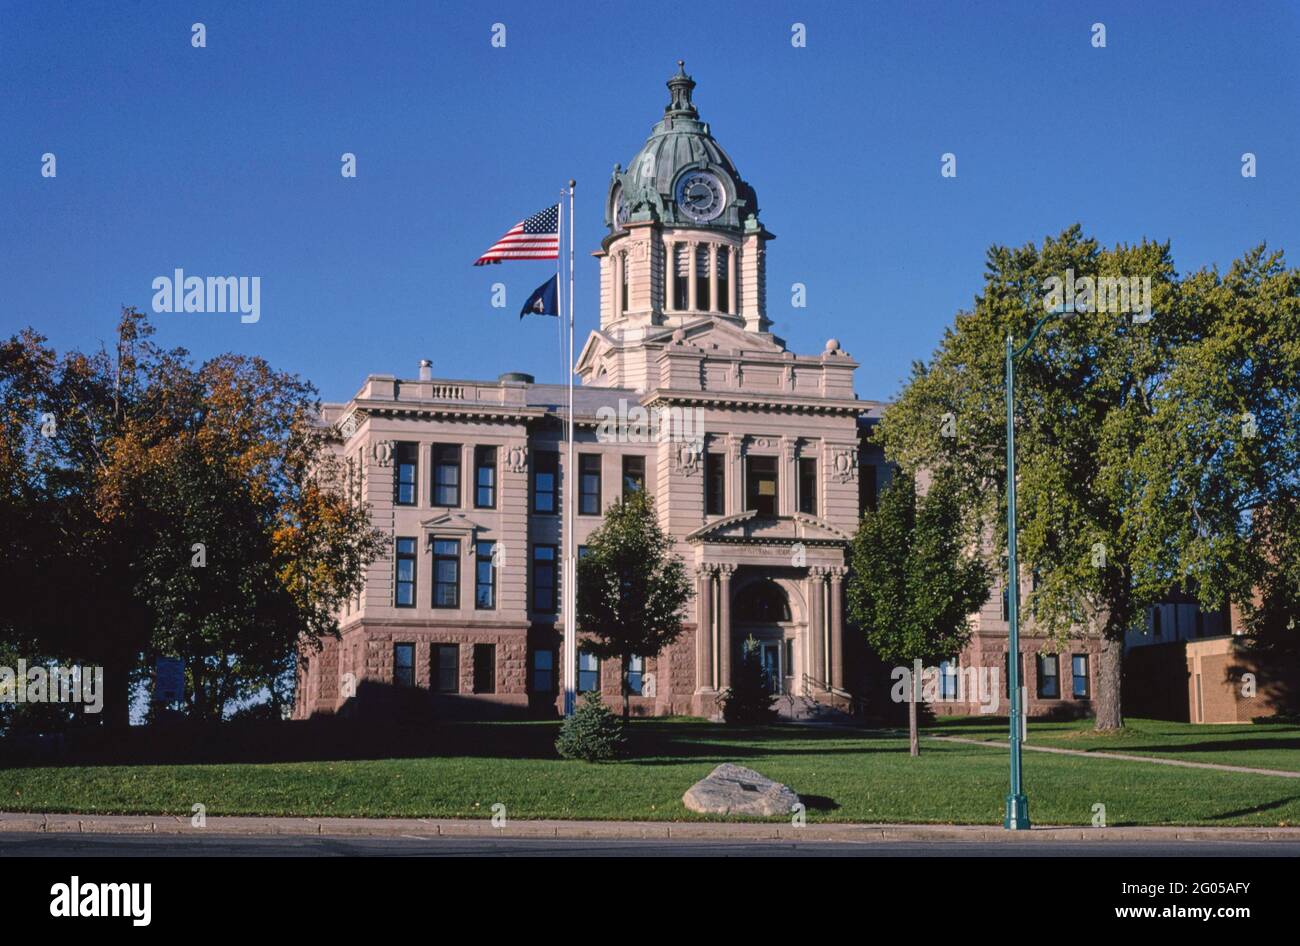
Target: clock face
700, 195
620, 206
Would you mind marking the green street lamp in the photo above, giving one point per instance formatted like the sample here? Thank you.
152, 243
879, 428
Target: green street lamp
1017, 816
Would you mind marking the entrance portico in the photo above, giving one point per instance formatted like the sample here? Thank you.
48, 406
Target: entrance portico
778, 579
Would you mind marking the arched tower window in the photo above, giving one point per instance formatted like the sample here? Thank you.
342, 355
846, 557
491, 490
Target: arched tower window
682, 271
724, 279
702, 277
763, 602
622, 268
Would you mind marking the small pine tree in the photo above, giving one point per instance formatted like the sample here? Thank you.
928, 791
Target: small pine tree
748, 700
594, 733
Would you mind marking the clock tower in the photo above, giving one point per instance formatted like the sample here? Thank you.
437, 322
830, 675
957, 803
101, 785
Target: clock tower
685, 244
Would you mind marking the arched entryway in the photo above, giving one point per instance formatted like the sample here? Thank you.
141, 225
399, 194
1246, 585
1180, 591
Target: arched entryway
770, 611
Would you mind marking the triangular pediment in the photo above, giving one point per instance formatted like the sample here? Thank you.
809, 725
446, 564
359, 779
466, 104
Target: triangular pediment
453, 522
751, 528
597, 342
721, 335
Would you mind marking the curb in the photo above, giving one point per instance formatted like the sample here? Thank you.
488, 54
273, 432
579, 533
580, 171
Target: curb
631, 830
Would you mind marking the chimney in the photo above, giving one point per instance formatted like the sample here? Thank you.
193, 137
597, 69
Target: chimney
426, 369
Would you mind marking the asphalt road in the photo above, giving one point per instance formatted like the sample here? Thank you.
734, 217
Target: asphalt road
135, 845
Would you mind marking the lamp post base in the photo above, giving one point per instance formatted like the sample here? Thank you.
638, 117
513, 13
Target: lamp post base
1017, 817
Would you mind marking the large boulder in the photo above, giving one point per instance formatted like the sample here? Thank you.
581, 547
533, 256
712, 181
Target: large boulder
732, 789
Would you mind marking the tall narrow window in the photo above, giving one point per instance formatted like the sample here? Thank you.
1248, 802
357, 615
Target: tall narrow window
1079, 669
589, 484
404, 586
485, 576
445, 673
485, 668
446, 475
866, 489
446, 573
485, 477
1049, 679
635, 675
546, 481
545, 578
724, 278
948, 679
622, 266
404, 665
702, 278
760, 485
808, 485
682, 269
633, 474
405, 462
543, 671
715, 484
588, 672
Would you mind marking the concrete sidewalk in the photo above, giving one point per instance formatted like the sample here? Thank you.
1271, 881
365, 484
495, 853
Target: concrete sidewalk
1122, 756
701, 830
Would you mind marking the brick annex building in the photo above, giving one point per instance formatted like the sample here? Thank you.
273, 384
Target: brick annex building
462, 617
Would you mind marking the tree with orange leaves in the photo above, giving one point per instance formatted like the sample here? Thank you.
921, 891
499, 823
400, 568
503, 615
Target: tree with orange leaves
182, 510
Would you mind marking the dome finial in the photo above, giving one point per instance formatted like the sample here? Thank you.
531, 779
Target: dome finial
679, 89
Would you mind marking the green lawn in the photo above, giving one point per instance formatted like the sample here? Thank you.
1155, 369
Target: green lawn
1263, 746
842, 776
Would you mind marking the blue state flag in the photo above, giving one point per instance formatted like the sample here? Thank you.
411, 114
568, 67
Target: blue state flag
542, 301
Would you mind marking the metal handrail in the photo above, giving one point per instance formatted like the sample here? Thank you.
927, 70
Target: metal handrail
810, 681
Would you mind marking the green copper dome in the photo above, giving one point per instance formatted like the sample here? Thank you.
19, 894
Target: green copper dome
681, 176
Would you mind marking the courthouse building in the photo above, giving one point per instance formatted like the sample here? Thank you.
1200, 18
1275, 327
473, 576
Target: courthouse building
462, 618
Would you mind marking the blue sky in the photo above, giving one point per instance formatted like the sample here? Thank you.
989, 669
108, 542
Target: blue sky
225, 160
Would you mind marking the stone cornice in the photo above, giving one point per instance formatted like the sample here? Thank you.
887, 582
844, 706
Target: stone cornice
756, 401
466, 410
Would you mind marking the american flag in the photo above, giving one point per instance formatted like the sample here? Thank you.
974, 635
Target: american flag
538, 237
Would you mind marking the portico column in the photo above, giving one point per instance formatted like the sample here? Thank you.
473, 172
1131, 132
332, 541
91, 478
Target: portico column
670, 273
692, 274
837, 629
704, 630
724, 625
713, 277
733, 278
817, 653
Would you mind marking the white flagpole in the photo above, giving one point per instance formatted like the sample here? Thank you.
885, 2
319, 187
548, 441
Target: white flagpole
559, 287
568, 498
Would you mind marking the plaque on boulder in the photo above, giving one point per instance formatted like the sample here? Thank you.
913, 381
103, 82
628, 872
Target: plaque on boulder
732, 789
